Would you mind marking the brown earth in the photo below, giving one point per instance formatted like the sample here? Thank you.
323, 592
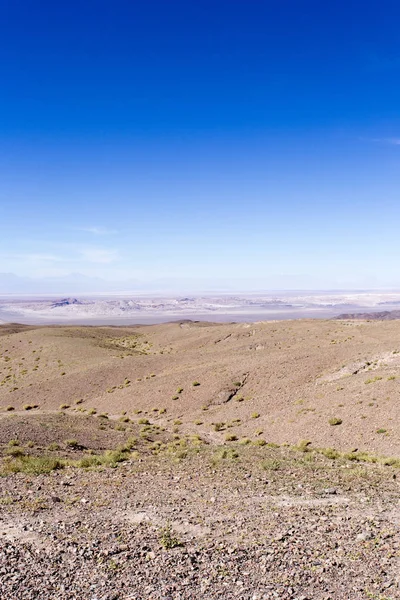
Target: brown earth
296, 375
200, 491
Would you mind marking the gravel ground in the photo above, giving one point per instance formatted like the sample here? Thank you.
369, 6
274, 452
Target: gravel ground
271, 523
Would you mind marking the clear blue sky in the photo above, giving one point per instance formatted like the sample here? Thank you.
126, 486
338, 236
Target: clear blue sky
250, 142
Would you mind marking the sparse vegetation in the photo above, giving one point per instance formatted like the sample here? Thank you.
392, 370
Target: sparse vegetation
219, 426
373, 379
168, 539
271, 464
71, 444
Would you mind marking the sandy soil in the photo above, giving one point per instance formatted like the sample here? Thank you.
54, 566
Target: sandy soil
286, 379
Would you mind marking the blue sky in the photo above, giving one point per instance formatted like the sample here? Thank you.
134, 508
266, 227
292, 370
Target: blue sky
251, 145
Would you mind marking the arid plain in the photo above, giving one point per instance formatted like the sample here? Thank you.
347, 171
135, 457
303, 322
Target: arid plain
192, 459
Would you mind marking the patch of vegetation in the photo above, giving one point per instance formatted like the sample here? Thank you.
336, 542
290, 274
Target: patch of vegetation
271, 464
53, 447
71, 444
15, 452
304, 446
335, 421
377, 378
168, 539
195, 383
219, 426
32, 465
330, 453
225, 453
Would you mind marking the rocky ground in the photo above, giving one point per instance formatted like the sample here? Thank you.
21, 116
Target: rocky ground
121, 479
245, 522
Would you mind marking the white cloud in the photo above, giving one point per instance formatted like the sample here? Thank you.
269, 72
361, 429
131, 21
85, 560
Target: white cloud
97, 230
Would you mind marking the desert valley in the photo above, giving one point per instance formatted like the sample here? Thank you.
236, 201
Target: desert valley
231, 460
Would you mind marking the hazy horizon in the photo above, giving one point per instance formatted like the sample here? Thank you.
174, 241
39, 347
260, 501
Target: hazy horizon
78, 284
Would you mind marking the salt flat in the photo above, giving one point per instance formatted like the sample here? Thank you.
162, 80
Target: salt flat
127, 308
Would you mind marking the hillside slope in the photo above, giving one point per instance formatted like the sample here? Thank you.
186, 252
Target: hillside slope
279, 381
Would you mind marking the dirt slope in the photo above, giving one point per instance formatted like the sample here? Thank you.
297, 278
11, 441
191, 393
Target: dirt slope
284, 379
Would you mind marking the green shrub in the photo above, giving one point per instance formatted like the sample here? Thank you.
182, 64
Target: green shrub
271, 464
71, 444
219, 426
303, 445
53, 447
168, 539
244, 441
15, 451
330, 453
33, 465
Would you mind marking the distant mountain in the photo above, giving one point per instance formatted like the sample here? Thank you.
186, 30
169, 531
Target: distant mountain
386, 315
